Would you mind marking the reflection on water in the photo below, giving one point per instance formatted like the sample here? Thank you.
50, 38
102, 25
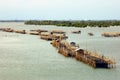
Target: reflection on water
27, 57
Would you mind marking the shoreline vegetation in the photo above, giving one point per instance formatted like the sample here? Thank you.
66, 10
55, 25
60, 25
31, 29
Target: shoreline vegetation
82, 23
12, 20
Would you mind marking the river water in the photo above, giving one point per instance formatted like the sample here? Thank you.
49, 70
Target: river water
27, 57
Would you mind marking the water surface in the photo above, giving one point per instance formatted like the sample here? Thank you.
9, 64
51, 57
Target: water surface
27, 57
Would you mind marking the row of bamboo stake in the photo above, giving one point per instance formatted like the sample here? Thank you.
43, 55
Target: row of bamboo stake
85, 56
70, 49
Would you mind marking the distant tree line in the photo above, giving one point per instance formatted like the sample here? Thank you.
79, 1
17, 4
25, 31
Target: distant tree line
91, 23
12, 20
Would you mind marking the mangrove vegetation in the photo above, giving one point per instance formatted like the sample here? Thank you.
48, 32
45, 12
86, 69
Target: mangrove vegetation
82, 23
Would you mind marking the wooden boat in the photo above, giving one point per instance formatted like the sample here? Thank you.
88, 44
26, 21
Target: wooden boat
90, 34
76, 32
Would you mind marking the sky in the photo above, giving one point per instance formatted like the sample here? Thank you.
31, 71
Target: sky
59, 9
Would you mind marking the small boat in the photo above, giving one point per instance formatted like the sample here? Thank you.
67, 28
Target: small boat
76, 32
90, 34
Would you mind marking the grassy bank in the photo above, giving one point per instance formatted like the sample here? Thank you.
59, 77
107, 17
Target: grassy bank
91, 23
